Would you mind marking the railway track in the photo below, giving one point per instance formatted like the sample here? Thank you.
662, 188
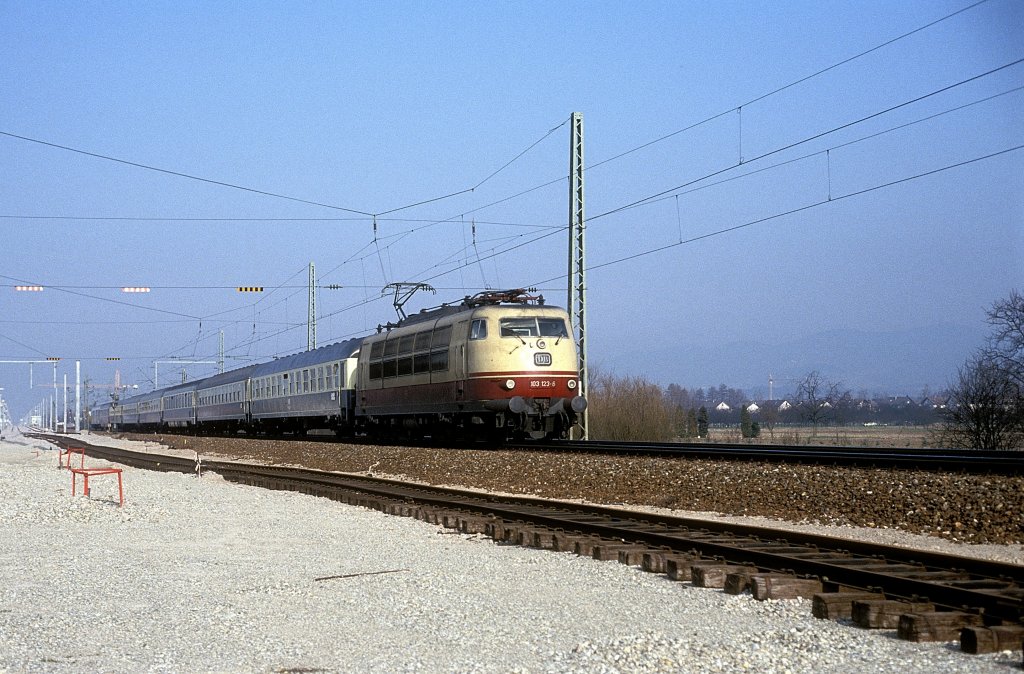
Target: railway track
925, 596
973, 461
969, 461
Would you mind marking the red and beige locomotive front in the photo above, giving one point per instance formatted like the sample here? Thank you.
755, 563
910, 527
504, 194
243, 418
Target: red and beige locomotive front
520, 360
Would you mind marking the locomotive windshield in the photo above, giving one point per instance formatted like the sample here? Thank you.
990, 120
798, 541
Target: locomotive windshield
531, 326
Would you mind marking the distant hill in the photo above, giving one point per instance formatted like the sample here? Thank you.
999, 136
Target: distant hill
877, 362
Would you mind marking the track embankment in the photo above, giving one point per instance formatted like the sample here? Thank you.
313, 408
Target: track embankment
953, 506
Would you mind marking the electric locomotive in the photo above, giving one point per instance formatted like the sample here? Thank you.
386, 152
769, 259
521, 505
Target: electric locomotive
499, 364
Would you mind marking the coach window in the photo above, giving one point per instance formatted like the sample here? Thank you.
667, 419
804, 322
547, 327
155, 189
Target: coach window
404, 365
305, 381
391, 347
337, 378
377, 350
405, 344
478, 330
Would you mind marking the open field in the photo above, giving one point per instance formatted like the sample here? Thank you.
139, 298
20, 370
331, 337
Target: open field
849, 436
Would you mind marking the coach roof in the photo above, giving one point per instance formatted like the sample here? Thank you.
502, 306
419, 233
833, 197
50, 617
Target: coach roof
325, 354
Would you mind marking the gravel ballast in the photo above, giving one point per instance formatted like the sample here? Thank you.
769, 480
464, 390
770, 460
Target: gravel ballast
197, 575
954, 507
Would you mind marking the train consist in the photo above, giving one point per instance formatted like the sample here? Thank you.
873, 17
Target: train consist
498, 365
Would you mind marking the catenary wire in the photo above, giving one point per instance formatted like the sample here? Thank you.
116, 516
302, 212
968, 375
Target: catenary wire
793, 211
811, 138
180, 174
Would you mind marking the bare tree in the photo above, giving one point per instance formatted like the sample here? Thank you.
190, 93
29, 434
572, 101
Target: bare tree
1005, 348
770, 416
816, 398
984, 410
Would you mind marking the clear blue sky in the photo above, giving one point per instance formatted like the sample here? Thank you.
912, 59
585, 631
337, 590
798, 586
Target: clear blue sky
371, 107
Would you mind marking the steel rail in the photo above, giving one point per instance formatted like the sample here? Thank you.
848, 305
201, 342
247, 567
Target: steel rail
971, 461
962, 460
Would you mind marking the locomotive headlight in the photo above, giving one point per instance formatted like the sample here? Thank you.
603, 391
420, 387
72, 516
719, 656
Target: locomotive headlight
510, 384
571, 384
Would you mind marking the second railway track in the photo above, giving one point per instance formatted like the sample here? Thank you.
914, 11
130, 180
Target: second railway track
925, 596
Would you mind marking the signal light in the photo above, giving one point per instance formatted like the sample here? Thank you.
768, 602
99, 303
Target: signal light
52, 358
135, 289
250, 289
113, 358
29, 288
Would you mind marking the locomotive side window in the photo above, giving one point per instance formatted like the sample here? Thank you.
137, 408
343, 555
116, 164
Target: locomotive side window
438, 361
377, 350
442, 337
421, 363
478, 330
376, 353
422, 341
391, 347
405, 344
404, 365
439, 348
